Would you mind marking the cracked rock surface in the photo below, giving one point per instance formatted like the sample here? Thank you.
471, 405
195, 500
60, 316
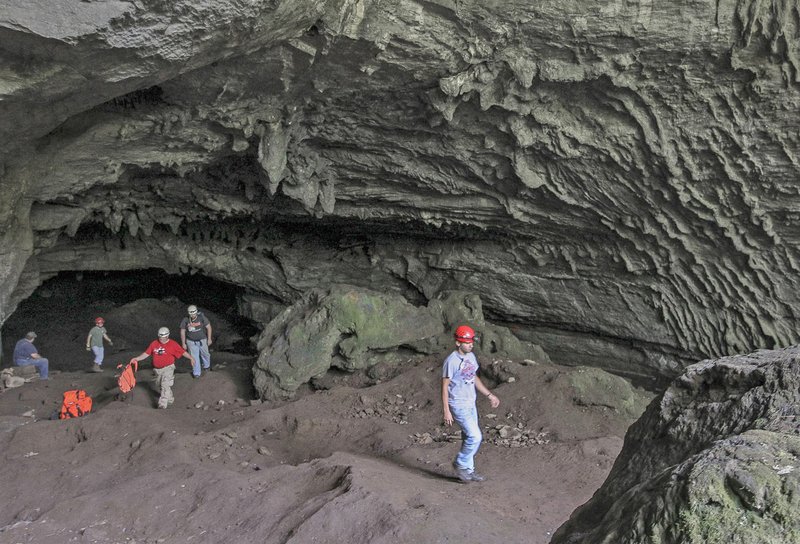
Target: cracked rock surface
617, 181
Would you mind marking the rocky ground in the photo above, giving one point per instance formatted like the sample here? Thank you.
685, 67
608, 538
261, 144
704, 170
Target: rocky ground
339, 463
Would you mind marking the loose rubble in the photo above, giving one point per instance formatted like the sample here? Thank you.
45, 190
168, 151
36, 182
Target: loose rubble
393, 407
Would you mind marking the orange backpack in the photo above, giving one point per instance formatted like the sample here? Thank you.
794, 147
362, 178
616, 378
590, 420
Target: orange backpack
76, 403
127, 380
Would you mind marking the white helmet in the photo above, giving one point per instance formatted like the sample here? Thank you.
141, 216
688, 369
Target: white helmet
163, 331
192, 309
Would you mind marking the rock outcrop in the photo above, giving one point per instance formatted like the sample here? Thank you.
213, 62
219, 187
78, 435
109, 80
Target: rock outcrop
715, 459
351, 329
617, 181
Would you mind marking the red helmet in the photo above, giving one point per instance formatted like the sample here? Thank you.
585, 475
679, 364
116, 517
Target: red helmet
99, 321
465, 333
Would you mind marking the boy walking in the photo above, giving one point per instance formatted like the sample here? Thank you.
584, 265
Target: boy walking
459, 385
94, 342
164, 352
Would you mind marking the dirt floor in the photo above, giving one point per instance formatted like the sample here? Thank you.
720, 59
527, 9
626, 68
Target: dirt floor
345, 464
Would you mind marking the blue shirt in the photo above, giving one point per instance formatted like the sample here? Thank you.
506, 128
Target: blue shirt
461, 370
24, 349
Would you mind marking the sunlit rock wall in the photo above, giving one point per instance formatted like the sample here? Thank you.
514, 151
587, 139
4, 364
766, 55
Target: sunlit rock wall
617, 180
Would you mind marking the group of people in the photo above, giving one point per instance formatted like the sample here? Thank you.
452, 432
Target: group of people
460, 383
196, 337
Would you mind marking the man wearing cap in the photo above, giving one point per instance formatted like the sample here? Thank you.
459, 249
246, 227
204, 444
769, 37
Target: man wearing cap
196, 338
25, 353
164, 352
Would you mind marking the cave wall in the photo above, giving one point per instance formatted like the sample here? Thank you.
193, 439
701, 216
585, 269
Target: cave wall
617, 180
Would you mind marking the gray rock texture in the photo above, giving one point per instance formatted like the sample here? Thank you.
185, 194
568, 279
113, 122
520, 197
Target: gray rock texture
715, 459
617, 181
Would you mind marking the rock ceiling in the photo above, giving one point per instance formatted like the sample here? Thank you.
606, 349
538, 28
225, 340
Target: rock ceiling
617, 180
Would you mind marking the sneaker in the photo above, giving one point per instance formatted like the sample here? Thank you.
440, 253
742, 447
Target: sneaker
162, 406
207, 369
195, 376
97, 368
462, 474
475, 477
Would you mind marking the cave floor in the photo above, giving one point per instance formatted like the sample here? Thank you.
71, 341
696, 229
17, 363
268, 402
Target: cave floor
323, 467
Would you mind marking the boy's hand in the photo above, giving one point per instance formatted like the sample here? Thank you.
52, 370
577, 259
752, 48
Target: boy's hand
448, 418
493, 400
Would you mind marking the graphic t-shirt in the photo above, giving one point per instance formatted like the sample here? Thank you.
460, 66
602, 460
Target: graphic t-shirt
96, 335
195, 328
461, 370
164, 354
24, 350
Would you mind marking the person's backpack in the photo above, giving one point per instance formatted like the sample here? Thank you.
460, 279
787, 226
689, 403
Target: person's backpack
127, 379
76, 403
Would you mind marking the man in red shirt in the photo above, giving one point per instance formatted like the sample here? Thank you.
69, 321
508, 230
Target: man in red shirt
164, 352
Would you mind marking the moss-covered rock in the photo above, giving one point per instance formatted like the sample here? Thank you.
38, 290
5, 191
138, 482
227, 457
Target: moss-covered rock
351, 329
342, 327
596, 387
716, 459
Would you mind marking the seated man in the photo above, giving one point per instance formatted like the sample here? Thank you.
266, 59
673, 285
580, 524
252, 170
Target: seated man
25, 353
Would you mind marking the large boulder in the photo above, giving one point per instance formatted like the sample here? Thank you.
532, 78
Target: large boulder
713, 460
351, 329
341, 327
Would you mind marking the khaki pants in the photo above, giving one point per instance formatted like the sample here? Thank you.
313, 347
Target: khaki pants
163, 379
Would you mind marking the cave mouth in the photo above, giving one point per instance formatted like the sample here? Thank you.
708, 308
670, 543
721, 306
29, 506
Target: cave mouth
134, 304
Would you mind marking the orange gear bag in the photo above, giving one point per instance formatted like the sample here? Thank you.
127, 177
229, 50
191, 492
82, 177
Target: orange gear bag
127, 379
76, 404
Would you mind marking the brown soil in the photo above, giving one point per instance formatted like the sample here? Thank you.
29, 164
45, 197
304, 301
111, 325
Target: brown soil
346, 464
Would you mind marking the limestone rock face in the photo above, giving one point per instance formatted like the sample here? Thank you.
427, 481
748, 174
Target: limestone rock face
617, 181
713, 460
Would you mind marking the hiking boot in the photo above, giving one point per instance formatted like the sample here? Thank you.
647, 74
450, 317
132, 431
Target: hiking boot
475, 477
97, 368
462, 474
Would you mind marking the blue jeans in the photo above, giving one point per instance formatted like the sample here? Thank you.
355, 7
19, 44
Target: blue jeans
99, 353
41, 365
471, 437
198, 349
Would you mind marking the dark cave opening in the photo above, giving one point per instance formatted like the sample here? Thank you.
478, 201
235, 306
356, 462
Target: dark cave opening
134, 303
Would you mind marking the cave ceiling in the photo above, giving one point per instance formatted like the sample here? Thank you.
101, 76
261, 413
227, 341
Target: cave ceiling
617, 180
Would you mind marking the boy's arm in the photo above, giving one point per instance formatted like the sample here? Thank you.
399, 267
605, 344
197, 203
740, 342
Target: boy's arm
108, 340
189, 356
183, 336
208, 331
88, 341
483, 390
448, 417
